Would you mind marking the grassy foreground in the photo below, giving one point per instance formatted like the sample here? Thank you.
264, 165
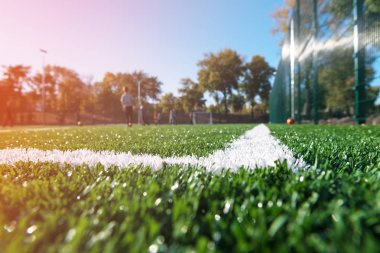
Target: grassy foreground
332, 207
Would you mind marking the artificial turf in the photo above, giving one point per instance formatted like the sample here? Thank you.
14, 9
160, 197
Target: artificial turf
332, 206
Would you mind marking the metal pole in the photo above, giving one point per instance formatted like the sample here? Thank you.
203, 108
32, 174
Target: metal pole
43, 87
288, 111
359, 63
315, 62
292, 65
139, 102
297, 48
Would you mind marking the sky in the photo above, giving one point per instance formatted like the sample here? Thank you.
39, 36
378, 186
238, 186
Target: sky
164, 38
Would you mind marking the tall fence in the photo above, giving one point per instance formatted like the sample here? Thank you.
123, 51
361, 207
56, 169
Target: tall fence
330, 63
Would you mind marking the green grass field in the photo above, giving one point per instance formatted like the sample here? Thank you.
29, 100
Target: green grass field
333, 206
164, 140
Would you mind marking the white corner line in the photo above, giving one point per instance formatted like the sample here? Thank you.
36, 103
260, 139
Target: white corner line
257, 148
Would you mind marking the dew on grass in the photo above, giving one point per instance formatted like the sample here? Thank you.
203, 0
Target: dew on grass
175, 186
31, 229
227, 207
10, 227
70, 235
153, 248
157, 202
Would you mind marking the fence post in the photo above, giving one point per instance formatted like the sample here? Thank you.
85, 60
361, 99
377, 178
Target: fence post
315, 62
298, 68
359, 61
292, 59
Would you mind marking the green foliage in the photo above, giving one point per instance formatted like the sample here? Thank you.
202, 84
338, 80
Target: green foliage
71, 89
221, 72
257, 79
237, 102
337, 80
343, 8
15, 80
332, 207
168, 102
109, 91
191, 95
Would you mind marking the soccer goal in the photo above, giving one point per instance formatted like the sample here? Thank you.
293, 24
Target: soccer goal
202, 117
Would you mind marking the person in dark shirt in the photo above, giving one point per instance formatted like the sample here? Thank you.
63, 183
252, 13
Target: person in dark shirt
127, 104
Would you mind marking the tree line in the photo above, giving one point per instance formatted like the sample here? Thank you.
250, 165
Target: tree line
235, 85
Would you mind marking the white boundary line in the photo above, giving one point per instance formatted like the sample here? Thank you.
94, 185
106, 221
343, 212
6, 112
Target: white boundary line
35, 129
257, 148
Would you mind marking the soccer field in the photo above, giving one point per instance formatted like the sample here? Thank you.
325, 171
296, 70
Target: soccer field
203, 188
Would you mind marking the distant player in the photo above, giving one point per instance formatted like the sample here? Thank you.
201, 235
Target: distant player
191, 117
172, 117
127, 104
143, 118
156, 117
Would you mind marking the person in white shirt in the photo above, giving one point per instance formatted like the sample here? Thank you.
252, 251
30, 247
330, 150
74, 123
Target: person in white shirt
127, 104
172, 117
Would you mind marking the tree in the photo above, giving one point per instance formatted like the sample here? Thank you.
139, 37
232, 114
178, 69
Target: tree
343, 8
237, 102
150, 85
16, 80
18, 77
110, 89
191, 95
220, 73
257, 80
281, 17
51, 87
68, 90
168, 102
337, 81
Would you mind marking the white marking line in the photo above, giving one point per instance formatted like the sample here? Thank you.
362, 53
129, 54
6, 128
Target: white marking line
255, 149
37, 129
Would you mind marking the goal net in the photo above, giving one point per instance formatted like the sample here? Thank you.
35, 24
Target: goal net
202, 118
